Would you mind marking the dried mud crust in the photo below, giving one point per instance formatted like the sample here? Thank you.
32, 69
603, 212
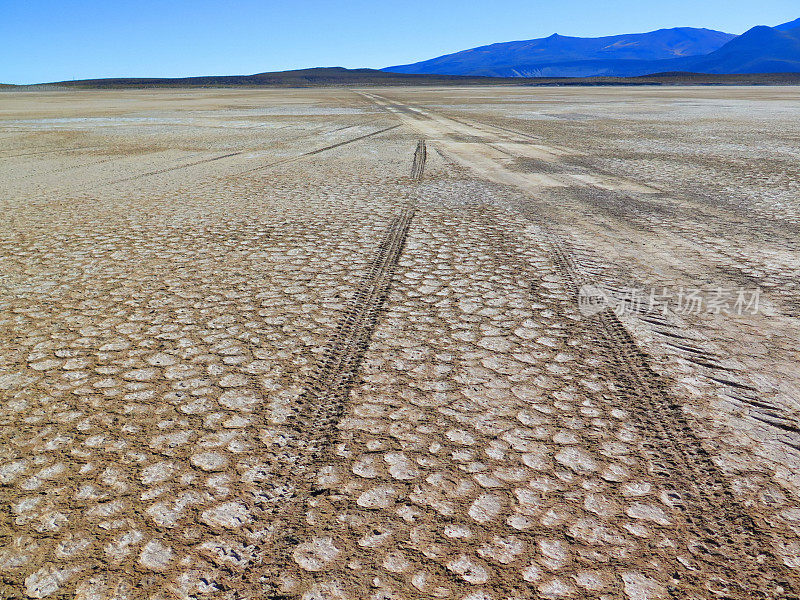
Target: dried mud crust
733, 552
345, 368
147, 371
144, 421
523, 452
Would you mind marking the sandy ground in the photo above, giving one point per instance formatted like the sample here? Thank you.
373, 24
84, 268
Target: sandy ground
330, 344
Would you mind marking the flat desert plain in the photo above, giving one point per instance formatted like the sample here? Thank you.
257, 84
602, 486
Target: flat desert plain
402, 343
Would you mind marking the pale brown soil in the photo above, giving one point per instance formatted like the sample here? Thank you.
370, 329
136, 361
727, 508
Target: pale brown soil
326, 344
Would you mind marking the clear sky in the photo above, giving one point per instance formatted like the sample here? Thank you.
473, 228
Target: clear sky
52, 40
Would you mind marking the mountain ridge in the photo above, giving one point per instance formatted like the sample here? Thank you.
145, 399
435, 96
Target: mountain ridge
497, 59
787, 26
619, 59
342, 77
759, 50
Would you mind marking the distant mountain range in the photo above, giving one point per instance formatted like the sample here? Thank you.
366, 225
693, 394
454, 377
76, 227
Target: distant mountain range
683, 55
340, 77
313, 77
683, 49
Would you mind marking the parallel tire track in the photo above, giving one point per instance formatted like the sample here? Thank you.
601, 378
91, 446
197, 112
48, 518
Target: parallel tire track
418, 165
318, 150
230, 155
312, 428
323, 401
710, 363
70, 168
732, 547
725, 538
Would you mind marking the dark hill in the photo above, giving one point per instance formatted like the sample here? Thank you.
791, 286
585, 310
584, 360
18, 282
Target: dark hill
315, 77
337, 77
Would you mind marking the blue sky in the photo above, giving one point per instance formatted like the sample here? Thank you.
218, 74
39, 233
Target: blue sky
51, 40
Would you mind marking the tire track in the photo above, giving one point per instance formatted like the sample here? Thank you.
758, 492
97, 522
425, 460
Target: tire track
216, 158
418, 165
71, 168
175, 168
322, 403
710, 365
725, 538
47, 151
319, 150
734, 550
313, 425
312, 428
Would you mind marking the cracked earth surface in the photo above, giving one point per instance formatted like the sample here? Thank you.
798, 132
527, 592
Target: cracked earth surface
326, 344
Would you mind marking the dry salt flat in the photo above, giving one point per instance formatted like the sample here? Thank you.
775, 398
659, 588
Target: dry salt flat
327, 344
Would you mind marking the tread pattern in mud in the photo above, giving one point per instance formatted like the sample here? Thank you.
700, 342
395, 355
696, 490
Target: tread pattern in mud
230, 387
314, 420
183, 166
323, 149
418, 164
733, 550
323, 401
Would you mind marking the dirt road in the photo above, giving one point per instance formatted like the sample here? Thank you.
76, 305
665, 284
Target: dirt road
338, 344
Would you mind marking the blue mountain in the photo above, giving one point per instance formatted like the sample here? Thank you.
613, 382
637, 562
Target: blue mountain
787, 26
525, 58
760, 50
